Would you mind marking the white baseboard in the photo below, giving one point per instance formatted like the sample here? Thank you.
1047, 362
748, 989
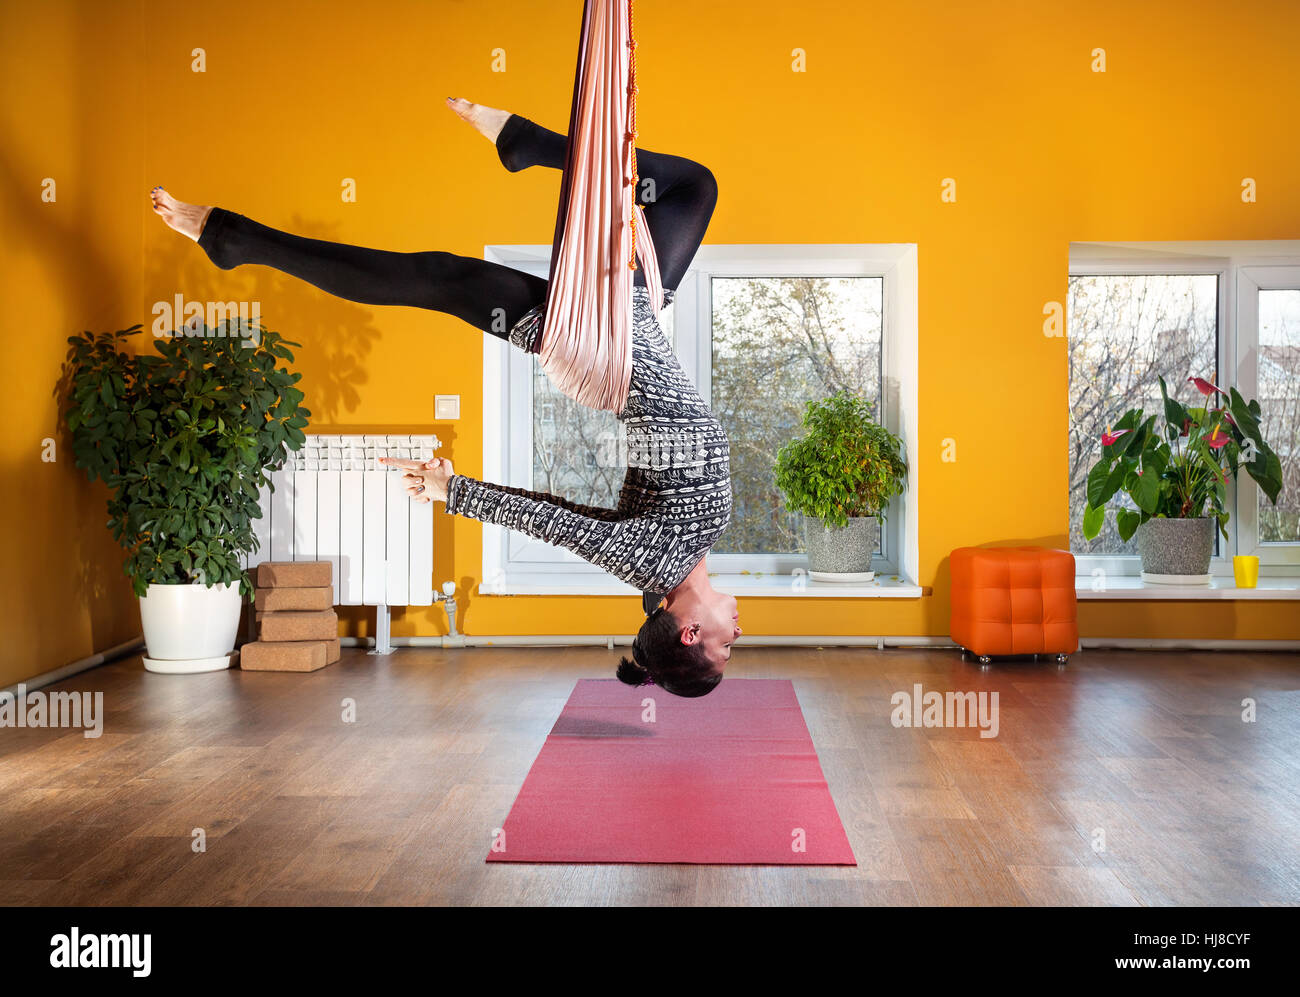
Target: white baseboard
1175, 644
625, 640
831, 640
81, 665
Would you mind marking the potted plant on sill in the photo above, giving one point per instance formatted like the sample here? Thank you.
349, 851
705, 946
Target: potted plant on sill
184, 438
1176, 476
841, 475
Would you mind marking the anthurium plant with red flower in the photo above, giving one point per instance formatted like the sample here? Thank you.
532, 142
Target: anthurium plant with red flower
1180, 469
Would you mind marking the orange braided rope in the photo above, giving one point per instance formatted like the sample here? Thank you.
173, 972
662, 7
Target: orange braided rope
585, 344
631, 121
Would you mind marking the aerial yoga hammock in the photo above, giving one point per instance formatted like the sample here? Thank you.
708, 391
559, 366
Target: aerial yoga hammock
676, 499
585, 346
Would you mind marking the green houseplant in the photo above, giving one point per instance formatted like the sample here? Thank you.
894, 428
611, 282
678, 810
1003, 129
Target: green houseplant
184, 438
1174, 466
841, 475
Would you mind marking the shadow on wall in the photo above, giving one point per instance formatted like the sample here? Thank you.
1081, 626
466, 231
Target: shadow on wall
73, 540
939, 619
101, 268
98, 576
336, 336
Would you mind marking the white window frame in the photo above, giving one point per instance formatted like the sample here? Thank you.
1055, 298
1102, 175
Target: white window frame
513, 562
1251, 279
694, 345
1238, 265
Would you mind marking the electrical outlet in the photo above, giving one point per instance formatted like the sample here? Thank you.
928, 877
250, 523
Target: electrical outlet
446, 407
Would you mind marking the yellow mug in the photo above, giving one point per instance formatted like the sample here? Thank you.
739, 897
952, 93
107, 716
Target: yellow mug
1245, 569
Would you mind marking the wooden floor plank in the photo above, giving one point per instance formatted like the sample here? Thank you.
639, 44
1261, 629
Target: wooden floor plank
1125, 778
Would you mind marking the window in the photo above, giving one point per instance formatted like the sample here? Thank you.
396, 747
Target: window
1278, 389
760, 330
1178, 310
778, 343
1268, 305
575, 449
568, 442
1125, 331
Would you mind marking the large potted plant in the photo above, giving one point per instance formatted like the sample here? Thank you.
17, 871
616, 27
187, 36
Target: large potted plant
184, 438
1175, 475
841, 475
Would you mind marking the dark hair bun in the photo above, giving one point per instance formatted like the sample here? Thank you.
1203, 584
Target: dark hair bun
632, 673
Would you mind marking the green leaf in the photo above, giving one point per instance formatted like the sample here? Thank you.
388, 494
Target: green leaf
1128, 521
1175, 413
1098, 480
1147, 491
179, 434
1094, 517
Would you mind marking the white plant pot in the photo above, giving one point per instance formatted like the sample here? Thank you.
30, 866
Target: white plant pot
189, 628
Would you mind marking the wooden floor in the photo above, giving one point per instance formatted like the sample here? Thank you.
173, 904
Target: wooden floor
1142, 753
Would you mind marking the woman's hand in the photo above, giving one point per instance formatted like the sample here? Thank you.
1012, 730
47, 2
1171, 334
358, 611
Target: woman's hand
425, 480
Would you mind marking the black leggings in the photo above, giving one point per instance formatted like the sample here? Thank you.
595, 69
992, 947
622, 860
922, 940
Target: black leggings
678, 195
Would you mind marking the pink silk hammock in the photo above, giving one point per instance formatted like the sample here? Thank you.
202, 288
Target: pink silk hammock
585, 346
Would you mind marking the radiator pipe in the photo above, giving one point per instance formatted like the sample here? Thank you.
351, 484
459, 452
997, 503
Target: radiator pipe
448, 599
610, 641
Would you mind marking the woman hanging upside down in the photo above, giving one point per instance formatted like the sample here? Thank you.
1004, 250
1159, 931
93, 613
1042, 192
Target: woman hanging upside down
676, 497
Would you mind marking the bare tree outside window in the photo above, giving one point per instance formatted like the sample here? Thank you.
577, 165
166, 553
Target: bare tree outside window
779, 342
1125, 331
1278, 391
578, 452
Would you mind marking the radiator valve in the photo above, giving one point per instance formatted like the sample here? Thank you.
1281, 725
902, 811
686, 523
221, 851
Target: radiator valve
448, 599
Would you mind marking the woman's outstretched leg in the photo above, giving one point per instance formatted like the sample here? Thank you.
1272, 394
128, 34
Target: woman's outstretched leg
678, 194
487, 295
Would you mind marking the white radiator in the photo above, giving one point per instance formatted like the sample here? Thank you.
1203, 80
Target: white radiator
333, 501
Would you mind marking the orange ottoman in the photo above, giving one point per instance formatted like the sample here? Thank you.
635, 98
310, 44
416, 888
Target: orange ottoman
1014, 600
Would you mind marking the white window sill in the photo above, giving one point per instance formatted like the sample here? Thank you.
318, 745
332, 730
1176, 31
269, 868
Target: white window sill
1220, 588
744, 584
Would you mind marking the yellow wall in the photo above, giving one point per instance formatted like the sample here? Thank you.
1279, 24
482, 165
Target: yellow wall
896, 98
70, 111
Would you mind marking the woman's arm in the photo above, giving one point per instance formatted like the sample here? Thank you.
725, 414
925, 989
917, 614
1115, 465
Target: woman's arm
590, 511
631, 548
429, 481
539, 514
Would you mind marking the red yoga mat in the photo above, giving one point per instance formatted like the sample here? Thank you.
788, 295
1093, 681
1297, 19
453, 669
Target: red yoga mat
731, 778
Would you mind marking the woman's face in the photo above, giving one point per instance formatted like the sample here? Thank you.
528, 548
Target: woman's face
717, 625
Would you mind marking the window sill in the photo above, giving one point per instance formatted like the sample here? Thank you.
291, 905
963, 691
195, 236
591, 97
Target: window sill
1131, 587
744, 584
767, 584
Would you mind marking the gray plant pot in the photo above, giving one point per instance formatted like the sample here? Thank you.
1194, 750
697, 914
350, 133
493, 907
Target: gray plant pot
1176, 546
841, 550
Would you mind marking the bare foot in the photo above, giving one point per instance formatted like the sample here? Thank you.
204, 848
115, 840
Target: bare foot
187, 219
487, 121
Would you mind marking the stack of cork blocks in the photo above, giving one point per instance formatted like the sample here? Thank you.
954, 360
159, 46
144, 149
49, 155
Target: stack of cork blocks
296, 624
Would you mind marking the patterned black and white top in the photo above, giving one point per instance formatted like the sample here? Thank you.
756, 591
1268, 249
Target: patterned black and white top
676, 497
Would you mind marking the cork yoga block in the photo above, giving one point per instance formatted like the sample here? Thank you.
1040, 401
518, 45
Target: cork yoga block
295, 574
269, 600
333, 651
259, 615
284, 656
321, 625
